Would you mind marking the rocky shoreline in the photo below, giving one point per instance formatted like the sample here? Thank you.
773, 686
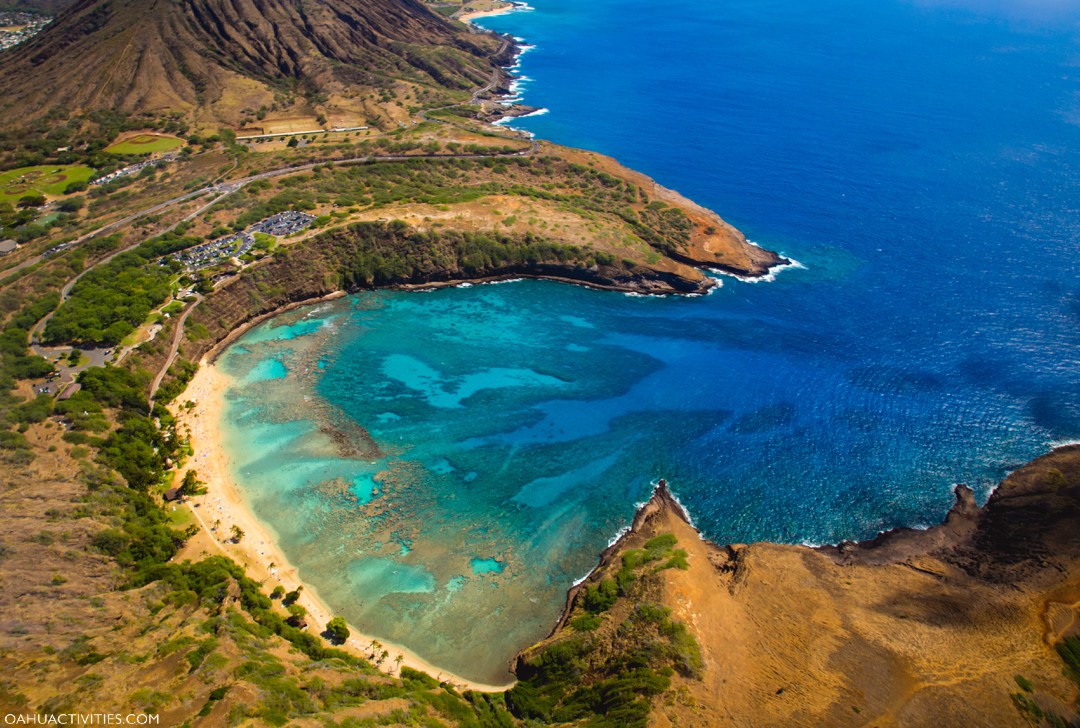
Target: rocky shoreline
912, 627
243, 302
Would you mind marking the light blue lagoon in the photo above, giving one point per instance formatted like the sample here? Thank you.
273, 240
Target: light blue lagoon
442, 466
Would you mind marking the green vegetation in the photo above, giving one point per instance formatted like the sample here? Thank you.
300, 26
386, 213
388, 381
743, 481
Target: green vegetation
114, 298
623, 651
191, 485
382, 259
465, 111
15, 362
365, 255
1069, 651
264, 242
40, 180
599, 597
145, 144
338, 630
574, 188
77, 139
585, 622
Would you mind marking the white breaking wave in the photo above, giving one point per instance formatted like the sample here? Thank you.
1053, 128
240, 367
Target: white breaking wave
767, 278
615, 539
508, 119
582, 579
689, 518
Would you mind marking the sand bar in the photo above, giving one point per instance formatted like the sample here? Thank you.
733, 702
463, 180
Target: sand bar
258, 551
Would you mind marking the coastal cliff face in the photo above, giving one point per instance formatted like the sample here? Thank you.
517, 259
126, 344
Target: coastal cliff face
955, 625
566, 215
378, 255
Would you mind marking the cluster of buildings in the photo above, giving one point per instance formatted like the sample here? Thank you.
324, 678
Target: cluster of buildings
17, 27
235, 245
207, 254
280, 135
283, 223
132, 169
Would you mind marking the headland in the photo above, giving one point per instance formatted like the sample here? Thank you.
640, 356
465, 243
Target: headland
961, 622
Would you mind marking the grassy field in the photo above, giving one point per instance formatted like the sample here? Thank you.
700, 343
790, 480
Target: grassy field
48, 180
146, 144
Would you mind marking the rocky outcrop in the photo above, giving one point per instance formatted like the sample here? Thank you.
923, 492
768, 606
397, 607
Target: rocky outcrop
1026, 533
910, 628
494, 112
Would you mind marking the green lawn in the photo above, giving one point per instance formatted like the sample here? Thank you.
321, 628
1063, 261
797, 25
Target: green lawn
49, 180
146, 144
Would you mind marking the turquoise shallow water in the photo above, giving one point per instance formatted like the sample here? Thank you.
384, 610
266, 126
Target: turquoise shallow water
442, 466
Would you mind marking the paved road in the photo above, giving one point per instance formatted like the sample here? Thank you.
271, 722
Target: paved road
65, 292
174, 347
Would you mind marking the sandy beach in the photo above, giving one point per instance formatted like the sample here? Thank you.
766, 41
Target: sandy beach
501, 10
258, 551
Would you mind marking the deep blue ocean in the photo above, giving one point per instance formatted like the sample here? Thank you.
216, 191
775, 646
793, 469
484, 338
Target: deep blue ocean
920, 161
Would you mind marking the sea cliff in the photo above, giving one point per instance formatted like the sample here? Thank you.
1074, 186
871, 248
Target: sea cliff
591, 222
959, 624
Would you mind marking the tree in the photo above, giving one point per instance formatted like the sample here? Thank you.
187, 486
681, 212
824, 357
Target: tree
73, 205
191, 485
338, 630
237, 534
31, 201
278, 593
292, 596
296, 617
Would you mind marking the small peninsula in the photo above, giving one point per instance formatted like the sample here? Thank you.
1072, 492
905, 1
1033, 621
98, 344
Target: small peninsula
971, 622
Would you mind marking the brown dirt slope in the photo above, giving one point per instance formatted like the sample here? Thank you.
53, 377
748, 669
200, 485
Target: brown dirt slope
714, 243
221, 56
916, 628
